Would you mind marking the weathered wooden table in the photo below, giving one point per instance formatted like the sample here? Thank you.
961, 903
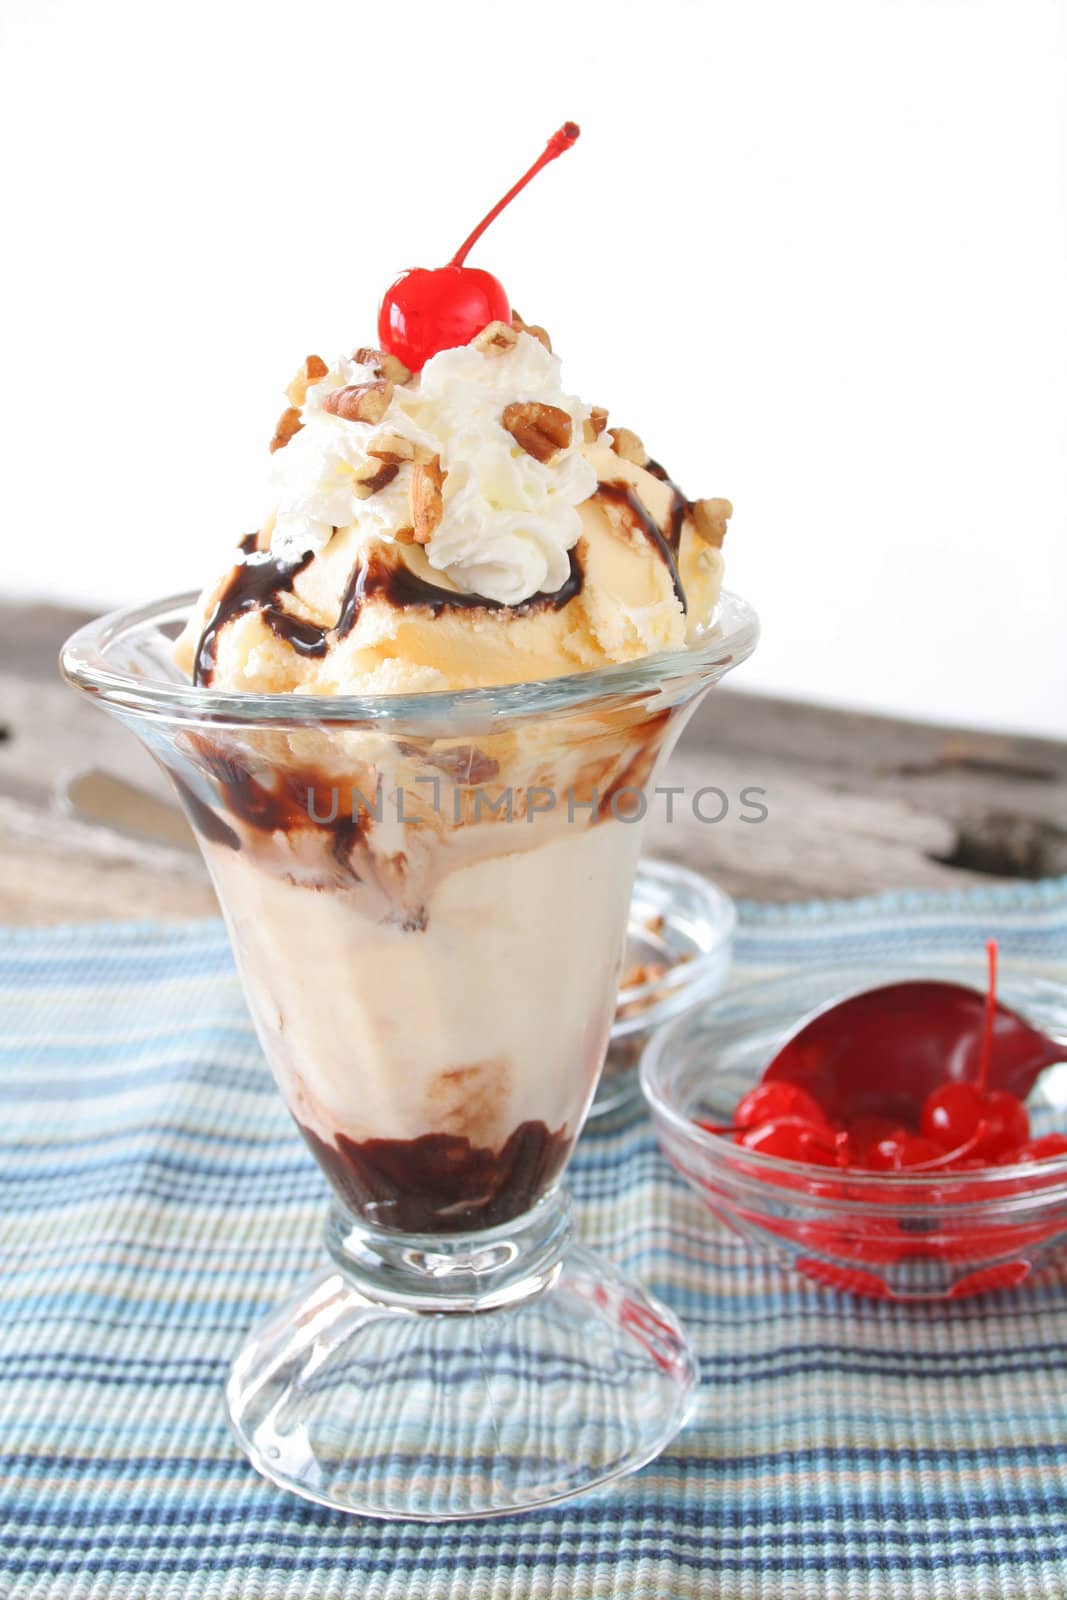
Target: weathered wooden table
854, 804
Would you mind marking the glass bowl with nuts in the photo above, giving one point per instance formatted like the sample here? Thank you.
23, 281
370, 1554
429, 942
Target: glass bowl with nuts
679, 948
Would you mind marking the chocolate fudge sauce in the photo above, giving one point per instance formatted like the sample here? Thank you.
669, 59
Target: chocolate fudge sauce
680, 504
281, 801
621, 494
271, 801
260, 578
402, 587
638, 769
306, 638
441, 1182
205, 821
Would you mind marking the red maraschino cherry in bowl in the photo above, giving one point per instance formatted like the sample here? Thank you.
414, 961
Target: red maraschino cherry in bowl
897, 1134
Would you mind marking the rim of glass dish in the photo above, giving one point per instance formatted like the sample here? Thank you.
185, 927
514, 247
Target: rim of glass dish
729, 639
660, 992
717, 1146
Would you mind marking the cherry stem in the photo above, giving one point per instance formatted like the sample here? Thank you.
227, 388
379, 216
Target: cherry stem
561, 140
963, 1149
990, 1018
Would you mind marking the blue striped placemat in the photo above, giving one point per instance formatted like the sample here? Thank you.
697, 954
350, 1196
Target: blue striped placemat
156, 1199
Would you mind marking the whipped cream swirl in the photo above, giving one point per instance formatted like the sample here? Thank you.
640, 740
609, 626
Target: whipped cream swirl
508, 522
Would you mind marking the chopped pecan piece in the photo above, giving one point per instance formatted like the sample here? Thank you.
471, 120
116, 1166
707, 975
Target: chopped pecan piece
643, 972
532, 329
288, 423
710, 518
627, 445
385, 365
313, 369
394, 369
372, 476
427, 506
497, 337
360, 402
394, 447
538, 429
594, 424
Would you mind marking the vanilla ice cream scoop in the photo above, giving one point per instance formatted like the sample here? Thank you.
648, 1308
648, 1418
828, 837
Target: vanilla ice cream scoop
469, 526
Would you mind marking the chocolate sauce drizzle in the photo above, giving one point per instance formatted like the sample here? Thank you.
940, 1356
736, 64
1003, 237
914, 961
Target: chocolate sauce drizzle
272, 801
621, 494
402, 587
680, 504
441, 1182
261, 578
279, 802
306, 638
256, 581
204, 821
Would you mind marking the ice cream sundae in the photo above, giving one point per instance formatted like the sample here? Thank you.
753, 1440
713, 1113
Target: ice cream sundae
413, 723
467, 525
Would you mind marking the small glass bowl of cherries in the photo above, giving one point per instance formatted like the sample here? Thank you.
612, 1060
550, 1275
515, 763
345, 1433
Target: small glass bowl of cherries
900, 1135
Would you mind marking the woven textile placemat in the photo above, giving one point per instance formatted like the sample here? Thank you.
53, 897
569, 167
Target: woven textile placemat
156, 1200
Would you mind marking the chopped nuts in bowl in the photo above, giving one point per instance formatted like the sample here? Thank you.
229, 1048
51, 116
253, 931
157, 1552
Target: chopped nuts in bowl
678, 952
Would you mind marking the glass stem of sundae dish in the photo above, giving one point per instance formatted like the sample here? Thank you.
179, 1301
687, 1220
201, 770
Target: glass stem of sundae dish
416, 758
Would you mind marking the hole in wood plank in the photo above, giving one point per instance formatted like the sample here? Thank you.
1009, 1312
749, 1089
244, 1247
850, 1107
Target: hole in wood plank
1003, 845
980, 766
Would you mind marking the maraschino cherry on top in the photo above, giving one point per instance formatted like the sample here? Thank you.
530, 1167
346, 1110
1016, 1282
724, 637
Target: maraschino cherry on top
428, 310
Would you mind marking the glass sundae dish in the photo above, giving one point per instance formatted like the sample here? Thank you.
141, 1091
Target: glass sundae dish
413, 725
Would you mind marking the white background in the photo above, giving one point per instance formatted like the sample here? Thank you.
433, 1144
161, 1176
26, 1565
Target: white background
815, 254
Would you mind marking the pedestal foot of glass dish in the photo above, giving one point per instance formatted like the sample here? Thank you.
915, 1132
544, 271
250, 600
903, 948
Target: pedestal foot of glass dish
442, 1377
